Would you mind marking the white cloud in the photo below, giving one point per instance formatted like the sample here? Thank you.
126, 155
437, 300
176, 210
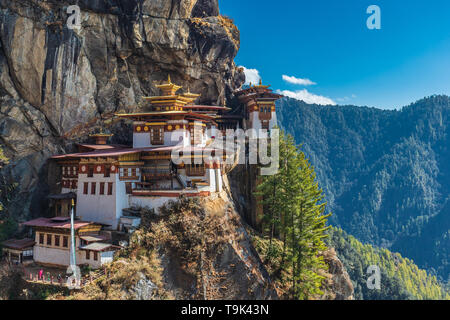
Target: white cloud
251, 76
307, 97
299, 81
346, 98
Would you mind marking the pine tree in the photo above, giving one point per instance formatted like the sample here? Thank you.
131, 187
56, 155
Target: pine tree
294, 211
3, 161
308, 230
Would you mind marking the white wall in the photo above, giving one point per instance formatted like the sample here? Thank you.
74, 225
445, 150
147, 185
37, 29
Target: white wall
171, 138
141, 139
48, 255
103, 208
273, 121
256, 122
121, 199
218, 184
107, 257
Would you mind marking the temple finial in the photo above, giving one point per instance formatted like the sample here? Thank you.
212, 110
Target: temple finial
260, 82
250, 84
168, 80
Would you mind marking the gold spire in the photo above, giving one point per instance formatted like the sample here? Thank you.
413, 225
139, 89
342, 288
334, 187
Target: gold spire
190, 96
260, 85
168, 89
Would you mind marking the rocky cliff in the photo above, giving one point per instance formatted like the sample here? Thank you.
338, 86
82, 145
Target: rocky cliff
58, 84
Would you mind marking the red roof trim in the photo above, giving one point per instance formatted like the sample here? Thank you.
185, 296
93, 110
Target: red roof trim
49, 223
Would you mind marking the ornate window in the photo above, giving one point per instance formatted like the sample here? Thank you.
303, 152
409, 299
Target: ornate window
196, 134
195, 170
157, 135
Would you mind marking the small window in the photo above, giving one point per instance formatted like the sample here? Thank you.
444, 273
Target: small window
102, 188
107, 171
110, 188
88, 254
57, 241
49, 239
90, 171
93, 187
41, 238
129, 188
133, 172
157, 135
28, 253
95, 255
85, 188
65, 242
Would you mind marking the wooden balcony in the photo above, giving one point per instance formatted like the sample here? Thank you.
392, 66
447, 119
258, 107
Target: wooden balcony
156, 174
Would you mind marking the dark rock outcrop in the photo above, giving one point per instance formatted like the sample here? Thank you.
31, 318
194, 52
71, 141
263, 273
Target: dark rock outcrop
58, 84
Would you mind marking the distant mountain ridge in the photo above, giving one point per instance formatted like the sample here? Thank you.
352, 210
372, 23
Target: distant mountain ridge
385, 173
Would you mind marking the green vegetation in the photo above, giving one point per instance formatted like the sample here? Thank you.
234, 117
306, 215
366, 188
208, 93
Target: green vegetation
385, 173
401, 279
7, 225
3, 161
294, 213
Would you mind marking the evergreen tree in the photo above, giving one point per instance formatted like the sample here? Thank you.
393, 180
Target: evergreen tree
294, 211
3, 161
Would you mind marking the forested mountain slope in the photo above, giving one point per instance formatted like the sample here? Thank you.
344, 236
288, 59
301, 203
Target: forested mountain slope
400, 279
386, 174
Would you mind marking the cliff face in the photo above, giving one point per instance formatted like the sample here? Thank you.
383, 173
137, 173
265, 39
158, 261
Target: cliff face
58, 84
337, 284
194, 249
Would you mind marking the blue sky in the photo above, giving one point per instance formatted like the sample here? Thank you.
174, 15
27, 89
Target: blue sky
328, 42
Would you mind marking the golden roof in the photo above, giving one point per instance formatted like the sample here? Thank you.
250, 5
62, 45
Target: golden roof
169, 86
191, 95
260, 85
101, 135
